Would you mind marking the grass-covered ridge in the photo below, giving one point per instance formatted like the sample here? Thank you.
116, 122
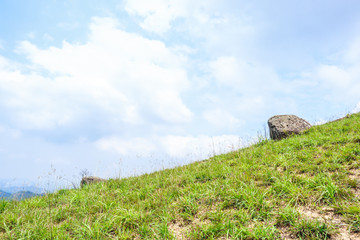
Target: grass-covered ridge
303, 187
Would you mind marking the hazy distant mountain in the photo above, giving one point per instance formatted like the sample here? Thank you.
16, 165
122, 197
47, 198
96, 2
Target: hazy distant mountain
23, 195
4, 194
18, 195
15, 189
13, 186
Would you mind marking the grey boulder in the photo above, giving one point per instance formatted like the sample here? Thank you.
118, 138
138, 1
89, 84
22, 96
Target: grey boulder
90, 179
282, 126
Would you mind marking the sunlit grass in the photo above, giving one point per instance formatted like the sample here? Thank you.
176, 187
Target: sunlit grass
251, 193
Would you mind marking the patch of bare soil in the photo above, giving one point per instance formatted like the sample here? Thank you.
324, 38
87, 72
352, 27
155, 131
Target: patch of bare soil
327, 215
286, 234
179, 229
355, 175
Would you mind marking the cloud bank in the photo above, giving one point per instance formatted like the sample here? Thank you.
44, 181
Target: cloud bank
169, 80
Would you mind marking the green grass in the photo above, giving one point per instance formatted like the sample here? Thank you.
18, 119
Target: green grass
253, 193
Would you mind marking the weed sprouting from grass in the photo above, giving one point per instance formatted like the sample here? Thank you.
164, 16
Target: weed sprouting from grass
3, 204
287, 216
265, 232
188, 206
164, 232
308, 229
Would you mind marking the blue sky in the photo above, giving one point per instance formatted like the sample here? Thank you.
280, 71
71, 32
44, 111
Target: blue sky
126, 87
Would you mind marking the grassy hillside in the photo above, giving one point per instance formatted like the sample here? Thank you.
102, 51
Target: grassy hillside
303, 187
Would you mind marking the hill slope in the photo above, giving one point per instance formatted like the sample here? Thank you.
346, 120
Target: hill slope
18, 195
23, 195
4, 194
303, 187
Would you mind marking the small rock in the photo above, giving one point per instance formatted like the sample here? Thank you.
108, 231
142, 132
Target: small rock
90, 179
281, 126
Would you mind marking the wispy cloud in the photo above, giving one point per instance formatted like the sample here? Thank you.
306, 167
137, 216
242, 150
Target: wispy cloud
122, 75
341, 78
157, 16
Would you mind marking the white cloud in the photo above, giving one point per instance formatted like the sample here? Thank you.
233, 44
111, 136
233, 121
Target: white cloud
189, 148
48, 37
341, 79
201, 18
31, 35
117, 74
335, 76
3, 62
244, 76
352, 55
68, 25
200, 147
34, 102
222, 118
356, 109
320, 122
126, 147
36, 156
157, 14
10, 132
